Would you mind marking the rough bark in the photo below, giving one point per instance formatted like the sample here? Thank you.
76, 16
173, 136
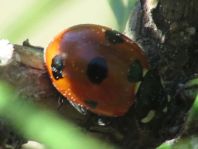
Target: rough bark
167, 31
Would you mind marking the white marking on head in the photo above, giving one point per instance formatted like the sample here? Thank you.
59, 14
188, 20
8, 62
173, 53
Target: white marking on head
165, 109
150, 115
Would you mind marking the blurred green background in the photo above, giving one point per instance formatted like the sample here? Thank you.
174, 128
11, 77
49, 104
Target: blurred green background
40, 20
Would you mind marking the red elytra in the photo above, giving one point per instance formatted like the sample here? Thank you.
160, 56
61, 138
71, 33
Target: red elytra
96, 67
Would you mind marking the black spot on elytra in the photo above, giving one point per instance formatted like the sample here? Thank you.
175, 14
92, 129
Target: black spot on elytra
97, 70
114, 37
57, 67
91, 104
135, 72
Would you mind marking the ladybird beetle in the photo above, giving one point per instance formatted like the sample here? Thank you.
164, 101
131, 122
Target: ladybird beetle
96, 68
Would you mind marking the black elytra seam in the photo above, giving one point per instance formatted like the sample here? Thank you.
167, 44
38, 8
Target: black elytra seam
135, 72
114, 37
91, 103
57, 67
97, 70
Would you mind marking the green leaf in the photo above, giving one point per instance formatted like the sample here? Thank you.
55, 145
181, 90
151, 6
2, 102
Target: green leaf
43, 126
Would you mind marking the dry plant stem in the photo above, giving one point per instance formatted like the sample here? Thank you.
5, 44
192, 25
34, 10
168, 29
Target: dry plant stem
28, 75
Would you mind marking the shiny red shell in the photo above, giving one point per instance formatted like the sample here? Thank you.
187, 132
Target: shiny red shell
96, 67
